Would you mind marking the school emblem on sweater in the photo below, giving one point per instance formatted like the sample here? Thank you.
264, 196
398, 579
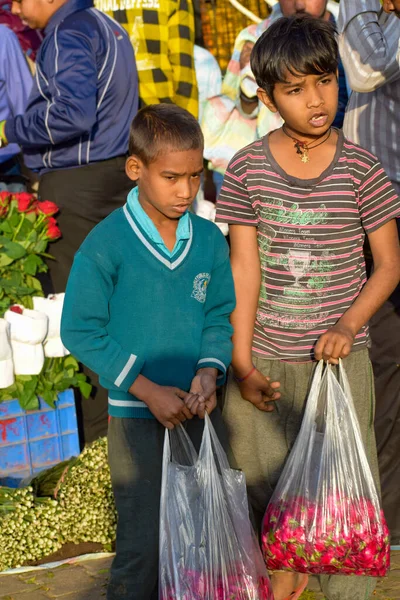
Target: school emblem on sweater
200, 284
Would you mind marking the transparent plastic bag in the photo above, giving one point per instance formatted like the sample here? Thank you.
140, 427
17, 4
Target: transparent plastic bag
325, 514
208, 550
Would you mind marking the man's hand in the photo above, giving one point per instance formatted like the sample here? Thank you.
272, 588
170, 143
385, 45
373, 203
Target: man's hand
260, 391
203, 397
168, 406
334, 344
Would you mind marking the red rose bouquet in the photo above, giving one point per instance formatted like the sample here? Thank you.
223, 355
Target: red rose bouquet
325, 515
347, 536
27, 226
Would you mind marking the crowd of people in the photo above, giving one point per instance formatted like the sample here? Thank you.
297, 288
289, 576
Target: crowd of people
298, 145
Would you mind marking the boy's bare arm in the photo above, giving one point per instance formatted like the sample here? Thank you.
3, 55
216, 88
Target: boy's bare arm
337, 341
166, 403
246, 271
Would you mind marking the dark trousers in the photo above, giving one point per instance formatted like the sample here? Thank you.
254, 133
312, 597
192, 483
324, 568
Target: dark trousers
85, 196
135, 449
11, 176
385, 358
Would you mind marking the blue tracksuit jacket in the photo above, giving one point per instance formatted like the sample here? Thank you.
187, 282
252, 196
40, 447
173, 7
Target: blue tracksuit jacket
85, 93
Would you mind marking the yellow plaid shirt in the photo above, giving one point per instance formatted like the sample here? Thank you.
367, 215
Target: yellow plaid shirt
162, 36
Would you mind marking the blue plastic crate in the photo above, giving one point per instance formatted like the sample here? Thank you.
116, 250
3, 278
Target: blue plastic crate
31, 441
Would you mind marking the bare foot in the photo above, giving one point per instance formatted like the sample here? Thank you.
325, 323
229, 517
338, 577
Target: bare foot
285, 583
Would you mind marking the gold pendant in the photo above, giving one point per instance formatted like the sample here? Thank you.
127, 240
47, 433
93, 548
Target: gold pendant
305, 158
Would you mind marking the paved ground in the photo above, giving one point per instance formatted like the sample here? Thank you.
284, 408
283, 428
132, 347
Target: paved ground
88, 581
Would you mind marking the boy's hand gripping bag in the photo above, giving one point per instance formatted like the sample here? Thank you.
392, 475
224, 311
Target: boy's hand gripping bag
325, 515
208, 550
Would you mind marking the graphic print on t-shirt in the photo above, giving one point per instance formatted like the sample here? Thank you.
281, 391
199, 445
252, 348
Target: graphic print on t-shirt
309, 271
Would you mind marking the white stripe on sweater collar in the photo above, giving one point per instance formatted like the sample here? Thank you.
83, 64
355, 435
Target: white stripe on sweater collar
170, 265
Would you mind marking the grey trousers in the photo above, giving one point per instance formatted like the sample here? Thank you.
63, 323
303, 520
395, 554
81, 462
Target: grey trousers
261, 441
135, 449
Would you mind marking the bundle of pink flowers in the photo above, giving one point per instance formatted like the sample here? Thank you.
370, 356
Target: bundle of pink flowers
340, 535
198, 586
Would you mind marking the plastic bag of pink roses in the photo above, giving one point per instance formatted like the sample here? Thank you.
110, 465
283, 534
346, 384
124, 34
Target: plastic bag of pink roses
208, 550
325, 515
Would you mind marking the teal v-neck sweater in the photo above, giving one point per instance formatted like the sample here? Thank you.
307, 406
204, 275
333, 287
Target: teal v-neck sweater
130, 309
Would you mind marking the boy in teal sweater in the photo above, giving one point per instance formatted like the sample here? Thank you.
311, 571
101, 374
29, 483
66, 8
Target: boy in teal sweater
147, 307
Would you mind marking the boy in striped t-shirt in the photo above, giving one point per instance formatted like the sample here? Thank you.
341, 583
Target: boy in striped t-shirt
299, 203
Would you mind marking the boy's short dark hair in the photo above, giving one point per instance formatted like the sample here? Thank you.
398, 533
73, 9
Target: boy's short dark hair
159, 127
301, 45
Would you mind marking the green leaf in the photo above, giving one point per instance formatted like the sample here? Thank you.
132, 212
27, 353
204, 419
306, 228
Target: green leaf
64, 384
34, 283
40, 246
8, 393
70, 361
271, 537
28, 400
46, 255
31, 217
43, 268
14, 250
32, 237
58, 378
49, 397
6, 227
315, 557
13, 220
25, 228
300, 551
31, 264
27, 301
5, 260
29, 384
85, 388
23, 291
15, 278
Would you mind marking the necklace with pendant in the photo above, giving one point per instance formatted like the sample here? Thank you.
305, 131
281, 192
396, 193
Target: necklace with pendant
302, 148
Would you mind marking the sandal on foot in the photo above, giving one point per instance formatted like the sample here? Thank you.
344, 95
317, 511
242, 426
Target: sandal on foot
298, 591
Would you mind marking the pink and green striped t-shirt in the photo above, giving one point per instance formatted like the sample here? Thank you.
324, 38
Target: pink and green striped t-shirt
310, 238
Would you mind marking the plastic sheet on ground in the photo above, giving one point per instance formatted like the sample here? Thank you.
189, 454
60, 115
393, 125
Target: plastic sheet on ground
58, 563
